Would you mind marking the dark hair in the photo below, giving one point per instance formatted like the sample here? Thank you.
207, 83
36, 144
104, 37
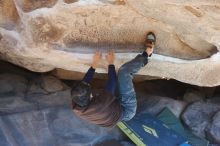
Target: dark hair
81, 94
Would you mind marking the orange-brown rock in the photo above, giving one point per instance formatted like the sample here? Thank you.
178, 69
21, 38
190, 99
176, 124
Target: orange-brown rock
65, 34
9, 17
70, 1
30, 5
44, 30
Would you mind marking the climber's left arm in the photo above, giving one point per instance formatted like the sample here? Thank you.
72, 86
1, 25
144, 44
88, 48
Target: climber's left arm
90, 73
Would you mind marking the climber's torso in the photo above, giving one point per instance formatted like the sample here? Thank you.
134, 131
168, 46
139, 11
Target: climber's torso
103, 110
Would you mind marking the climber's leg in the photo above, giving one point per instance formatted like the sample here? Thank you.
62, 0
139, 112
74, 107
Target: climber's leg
127, 95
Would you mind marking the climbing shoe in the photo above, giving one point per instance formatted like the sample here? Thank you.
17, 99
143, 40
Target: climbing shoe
150, 41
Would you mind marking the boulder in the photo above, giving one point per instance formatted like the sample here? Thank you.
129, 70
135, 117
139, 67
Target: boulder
155, 104
193, 95
64, 34
9, 17
30, 5
45, 84
35, 87
199, 116
11, 84
208, 91
51, 126
52, 84
15, 104
213, 131
70, 1
214, 100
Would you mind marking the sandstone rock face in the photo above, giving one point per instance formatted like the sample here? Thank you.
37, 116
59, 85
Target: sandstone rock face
17, 86
30, 5
45, 35
8, 14
193, 95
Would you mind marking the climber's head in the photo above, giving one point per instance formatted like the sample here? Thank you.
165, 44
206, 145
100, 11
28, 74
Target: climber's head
81, 94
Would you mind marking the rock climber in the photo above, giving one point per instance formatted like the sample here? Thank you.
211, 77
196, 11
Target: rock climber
103, 108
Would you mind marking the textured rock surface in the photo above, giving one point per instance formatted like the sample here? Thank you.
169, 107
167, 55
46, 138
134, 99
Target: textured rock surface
193, 95
51, 126
44, 35
30, 5
12, 84
154, 105
8, 14
33, 116
203, 119
214, 130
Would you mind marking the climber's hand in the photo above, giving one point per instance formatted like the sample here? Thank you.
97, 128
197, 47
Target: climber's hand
110, 57
96, 58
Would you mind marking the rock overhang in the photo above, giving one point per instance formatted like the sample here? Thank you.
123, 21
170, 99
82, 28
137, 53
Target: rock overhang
64, 35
